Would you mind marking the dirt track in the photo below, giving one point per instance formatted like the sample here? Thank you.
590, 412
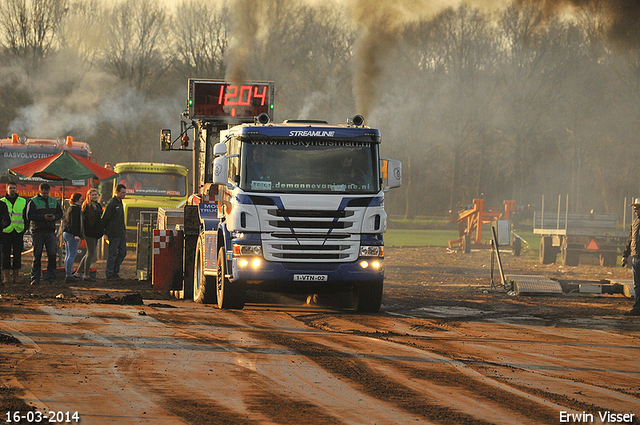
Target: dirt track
445, 349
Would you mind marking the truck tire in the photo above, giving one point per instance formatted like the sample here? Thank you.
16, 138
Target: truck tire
368, 297
547, 251
569, 257
517, 246
466, 244
230, 295
204, 287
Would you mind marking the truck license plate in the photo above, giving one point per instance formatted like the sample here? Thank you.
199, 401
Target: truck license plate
310, 277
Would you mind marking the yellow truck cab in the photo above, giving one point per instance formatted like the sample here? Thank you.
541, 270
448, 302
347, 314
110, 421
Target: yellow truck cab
149, 186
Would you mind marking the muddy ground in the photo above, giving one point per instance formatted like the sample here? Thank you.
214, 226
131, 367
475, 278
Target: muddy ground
446, 348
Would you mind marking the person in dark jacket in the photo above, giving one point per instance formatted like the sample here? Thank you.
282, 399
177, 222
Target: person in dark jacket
632, 251
72, 234
92, 226
116, 231
13, 235
43, 212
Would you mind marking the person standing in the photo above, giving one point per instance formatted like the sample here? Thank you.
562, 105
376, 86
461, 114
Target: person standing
632, 251
106, 192
72, 234
13, 235
5, 221
92, 223
116, 231
43, 212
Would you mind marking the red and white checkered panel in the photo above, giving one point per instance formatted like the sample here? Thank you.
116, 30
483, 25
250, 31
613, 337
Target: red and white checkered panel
167, 259
161, 238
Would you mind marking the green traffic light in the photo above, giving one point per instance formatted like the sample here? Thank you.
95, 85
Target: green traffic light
190, 102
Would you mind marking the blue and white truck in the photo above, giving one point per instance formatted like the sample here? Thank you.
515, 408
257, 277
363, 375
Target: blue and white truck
294, 207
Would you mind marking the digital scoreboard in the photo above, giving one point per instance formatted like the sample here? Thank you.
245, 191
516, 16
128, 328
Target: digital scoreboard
228, 102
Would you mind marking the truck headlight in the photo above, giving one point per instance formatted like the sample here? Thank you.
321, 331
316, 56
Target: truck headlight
255, 263
374, 264
371, 251
242, 250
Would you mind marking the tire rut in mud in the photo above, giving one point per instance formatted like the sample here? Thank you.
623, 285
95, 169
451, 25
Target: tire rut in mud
10, 400
560, 399
516, 403
260, 401
368, 380
8, 339
203, 411
453, 378
285, 410
505, 399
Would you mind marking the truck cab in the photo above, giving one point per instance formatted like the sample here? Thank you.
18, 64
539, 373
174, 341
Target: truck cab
300, 210
149, 186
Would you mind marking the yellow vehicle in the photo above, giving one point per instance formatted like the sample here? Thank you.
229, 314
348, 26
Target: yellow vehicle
149, 186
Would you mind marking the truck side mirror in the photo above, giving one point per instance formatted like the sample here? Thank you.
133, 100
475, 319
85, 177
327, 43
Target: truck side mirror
165, 139
220, 170
391, 173
219, 149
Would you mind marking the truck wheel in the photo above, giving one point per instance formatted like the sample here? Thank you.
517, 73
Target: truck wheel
517, 246
466, 244
230, 296
547, 251
368, 297
570, 257
204, 287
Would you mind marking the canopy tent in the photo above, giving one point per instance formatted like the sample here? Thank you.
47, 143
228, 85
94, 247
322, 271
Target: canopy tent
63, 166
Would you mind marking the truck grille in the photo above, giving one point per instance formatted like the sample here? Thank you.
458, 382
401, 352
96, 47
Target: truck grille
301, 235
289, 224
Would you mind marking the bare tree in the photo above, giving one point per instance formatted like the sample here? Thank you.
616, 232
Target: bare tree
136, 49
309, 58
323, 57
31, 27
461, 54
201, 37
82, 30
606, 107
529, 90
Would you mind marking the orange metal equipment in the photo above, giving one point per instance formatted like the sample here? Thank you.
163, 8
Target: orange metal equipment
470, 221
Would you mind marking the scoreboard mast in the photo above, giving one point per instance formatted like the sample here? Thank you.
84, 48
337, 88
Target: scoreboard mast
213, 105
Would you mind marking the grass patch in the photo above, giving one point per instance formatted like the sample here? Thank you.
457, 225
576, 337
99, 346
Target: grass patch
418, 237
422, 224
421, 237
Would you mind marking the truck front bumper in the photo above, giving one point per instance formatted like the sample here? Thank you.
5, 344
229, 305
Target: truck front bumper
302, 277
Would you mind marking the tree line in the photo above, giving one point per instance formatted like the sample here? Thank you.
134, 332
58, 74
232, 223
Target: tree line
505, 103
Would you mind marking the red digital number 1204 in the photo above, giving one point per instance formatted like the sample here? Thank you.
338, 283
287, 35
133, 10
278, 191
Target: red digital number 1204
241, 96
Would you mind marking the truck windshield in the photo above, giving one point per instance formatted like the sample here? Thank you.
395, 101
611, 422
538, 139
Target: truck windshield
310, 166
153, 184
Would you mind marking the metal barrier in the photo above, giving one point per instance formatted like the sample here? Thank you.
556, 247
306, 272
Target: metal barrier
144, 247
170, 218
